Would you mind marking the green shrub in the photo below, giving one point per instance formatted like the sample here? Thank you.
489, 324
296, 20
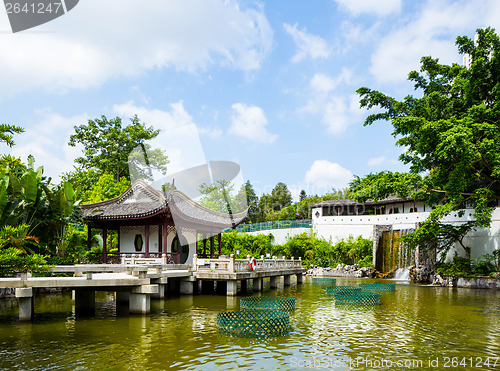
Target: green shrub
312, 250
13, 260
463, 267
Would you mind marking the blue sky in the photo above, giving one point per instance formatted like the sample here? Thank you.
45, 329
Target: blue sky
267, 84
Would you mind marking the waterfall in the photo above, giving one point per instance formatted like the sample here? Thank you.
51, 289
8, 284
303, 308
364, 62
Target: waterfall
402, 274
396, 255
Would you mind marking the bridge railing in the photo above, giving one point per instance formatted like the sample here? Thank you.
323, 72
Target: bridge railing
136, 258
232, 265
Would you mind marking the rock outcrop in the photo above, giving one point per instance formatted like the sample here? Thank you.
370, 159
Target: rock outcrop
354, 271
467, 282
421, 274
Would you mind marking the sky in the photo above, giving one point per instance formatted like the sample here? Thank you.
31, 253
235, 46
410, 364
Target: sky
270, 85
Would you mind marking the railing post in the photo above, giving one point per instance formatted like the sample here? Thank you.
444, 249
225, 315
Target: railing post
195, 262
300, 262
293, 263
231, 263
24, 277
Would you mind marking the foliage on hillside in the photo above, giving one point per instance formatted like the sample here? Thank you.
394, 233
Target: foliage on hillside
312, 250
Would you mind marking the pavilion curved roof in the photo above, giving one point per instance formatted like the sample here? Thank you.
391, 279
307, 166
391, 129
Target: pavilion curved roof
141, 200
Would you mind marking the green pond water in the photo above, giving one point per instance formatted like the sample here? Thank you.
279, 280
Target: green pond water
416, 327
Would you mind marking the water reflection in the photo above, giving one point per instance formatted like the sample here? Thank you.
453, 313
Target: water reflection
414, 322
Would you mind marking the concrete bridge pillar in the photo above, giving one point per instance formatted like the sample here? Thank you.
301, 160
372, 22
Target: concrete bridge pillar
140, 300
84, 302
273, 282
257, 284
161, 292
187, 287
26, 305
300, 278
232, 288
286, 280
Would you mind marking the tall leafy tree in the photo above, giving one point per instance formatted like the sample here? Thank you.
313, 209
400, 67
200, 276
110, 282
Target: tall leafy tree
219, 196
302, 195
451, 133
106, 188
7, 133
248, 198
381, 185
108, 144
280, 197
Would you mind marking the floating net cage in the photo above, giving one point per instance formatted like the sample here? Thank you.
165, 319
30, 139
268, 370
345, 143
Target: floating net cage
358, 298
254, 323
268, 302
346, 290
324, 280
382, 287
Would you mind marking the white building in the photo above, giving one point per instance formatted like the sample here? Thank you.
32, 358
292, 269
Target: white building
339, 219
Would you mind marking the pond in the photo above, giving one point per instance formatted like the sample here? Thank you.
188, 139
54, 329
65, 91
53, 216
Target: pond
415, 327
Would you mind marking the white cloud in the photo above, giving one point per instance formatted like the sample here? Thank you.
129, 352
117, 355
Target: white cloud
47, 140
357, 36
324, 174
380, 8
308, 45
337, 111
179, 136
322, 83
432, 31
48, 136
250, 122
340, 112
100, 40
377, 161
163, 120
211, 132
381, 161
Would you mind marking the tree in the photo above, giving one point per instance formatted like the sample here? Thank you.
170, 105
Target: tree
280, 197
451, 133
7, 133
35, 210
106, 188
264, 207
383, 184
63, 209
247, 197
302, 195
220, 197
107, 146
84, 179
